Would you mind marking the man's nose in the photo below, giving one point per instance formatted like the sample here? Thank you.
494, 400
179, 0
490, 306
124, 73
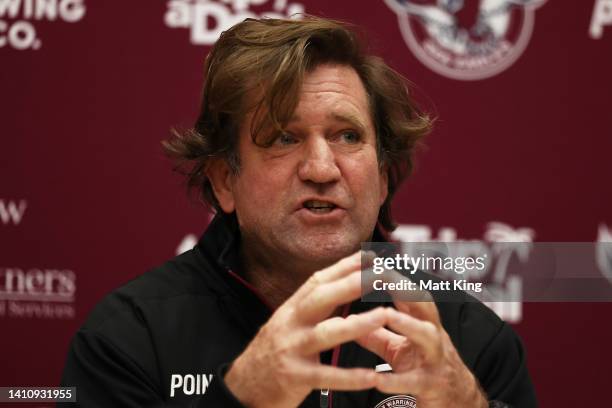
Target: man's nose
318, 163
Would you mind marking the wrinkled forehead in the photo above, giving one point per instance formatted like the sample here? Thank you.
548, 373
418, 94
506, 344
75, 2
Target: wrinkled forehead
268, 106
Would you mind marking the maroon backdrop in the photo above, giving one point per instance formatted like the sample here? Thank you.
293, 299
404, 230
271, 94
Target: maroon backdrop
87, 201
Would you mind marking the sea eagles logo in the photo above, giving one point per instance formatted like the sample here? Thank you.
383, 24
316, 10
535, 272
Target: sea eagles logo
398, 401
496, 35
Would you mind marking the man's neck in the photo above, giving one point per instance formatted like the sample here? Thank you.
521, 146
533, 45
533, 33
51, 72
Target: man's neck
275, 281
273, 287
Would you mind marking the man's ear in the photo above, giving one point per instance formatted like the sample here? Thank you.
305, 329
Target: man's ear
220, 176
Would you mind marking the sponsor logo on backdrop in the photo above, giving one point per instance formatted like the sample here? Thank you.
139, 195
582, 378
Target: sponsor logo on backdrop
12, 211
206, 19
602, 16
398, 401
42, 293
498, 37
18, 19
503, 285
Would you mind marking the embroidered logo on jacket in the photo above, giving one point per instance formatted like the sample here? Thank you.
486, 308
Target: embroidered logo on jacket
191, 384
398, 401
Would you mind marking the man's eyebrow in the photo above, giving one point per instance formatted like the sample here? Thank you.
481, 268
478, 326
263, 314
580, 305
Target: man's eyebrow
348, 118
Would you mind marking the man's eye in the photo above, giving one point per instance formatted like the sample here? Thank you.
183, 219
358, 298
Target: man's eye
285, 139
350, 137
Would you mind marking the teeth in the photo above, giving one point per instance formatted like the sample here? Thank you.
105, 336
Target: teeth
320, 209
318, 205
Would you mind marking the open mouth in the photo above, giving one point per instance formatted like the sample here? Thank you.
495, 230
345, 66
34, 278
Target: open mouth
319, 207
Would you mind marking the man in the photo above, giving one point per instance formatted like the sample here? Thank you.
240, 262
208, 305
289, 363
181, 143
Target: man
301, 142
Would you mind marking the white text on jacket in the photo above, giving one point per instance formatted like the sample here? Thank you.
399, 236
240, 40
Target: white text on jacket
192, 384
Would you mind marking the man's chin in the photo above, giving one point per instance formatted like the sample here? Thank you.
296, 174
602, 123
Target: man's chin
323, 254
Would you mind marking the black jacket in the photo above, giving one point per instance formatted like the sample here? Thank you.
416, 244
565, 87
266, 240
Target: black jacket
166, 338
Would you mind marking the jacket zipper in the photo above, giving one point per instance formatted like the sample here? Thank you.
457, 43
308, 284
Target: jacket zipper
325, 399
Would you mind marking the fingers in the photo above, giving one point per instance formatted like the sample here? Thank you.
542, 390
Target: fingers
325, 298
368, 330
413, 382
348, 264
427, 311
418, 303
340, 379
422, 333
381, 342
336, 271
338, 330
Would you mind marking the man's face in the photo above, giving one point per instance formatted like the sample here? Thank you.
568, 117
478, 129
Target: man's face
314, 195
